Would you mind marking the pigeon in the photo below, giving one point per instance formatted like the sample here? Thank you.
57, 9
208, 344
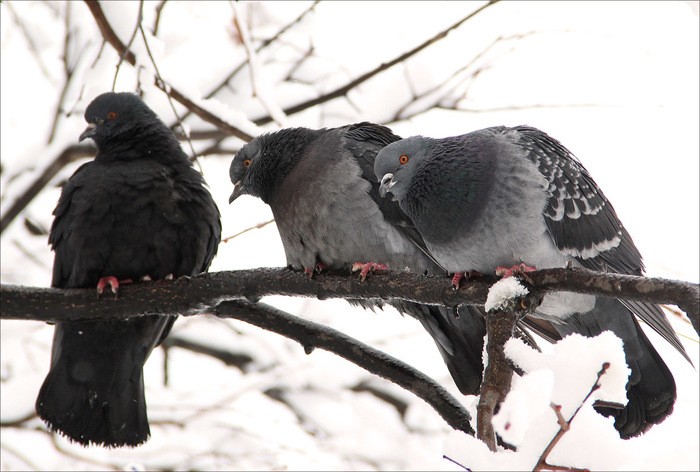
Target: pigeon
139, 210
504, 197
321, 187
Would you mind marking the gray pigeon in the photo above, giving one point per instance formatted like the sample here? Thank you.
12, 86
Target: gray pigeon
325, 198
507, 196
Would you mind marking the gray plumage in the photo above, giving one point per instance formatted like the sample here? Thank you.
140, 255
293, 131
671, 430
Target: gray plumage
504, 196
321, 187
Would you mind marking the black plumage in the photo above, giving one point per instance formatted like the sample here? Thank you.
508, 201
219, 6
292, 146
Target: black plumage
138, 209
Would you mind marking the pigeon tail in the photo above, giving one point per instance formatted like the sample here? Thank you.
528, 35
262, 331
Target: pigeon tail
460, 340
94, 391
651, 389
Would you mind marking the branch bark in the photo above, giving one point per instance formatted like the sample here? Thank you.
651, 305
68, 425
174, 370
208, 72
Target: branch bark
193, 295
313, 335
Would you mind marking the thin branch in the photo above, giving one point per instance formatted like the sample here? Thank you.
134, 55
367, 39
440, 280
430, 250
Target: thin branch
68, 71
258, 226
139, 19
111, 37
228, 357
312, 335
342, 91
565, 426
259, 90
67, 156
262, 46
159, 13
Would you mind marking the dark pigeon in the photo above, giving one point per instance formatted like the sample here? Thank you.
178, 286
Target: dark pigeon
139, 209
507, 196
325, 199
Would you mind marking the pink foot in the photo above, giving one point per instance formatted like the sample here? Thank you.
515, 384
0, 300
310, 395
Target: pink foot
456, 279
366, 268
318, 268
508, 272
113, 284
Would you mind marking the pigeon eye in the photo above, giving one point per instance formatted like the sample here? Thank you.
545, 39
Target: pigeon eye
403, 158
111, 115
246, 163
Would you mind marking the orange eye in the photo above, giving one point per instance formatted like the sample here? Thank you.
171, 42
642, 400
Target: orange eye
403, 158
246, 163
112, 115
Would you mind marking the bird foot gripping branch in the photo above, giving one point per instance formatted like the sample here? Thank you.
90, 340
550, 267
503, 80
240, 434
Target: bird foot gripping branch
515, 270
113, 284
316, 269
366, 268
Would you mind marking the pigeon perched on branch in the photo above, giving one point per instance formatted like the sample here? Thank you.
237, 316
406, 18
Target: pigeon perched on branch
139, 210
502, 197
321, 187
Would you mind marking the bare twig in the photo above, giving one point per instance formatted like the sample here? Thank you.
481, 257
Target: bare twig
227, 356
262, 46
564, 426
67, 156
139, 19
68, 69
399, 115
258, 89
30, 41
111, 37
258, 226
342, 91
159, 13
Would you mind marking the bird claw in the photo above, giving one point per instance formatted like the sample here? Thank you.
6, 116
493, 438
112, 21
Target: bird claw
516, 269
458, 276
110, 281
456, 279
366, 268
317, 269
113, 284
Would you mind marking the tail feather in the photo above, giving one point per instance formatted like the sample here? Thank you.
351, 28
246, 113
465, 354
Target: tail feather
651, 389
94, 391
459, 338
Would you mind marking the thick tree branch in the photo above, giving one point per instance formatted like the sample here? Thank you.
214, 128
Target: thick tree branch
193, 295
313, 335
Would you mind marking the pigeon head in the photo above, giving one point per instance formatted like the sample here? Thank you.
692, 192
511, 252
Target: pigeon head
261, 165
115, 115
397, 163
241, 164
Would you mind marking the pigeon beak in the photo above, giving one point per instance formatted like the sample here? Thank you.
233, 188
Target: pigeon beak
89, 132
386, 184
237, 191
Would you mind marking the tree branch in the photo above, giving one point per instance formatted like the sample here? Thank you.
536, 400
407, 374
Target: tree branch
111, 37
313, 335
68, 155
193, 295
342, 91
